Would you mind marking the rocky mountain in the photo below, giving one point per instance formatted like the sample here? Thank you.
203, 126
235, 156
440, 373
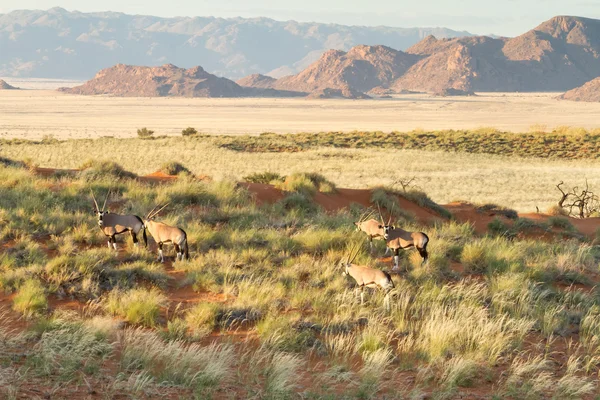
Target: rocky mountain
60, 44
590, 91
558, 55
5, 86
166, 80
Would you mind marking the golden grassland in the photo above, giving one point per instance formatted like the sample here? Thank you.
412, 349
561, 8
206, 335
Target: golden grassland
33, 114
516, 182
261, 309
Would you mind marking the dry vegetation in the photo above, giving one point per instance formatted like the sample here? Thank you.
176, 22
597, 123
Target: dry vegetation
467, 172
262, 311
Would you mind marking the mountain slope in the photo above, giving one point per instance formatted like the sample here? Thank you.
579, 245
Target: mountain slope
559, 54
60, 44
590, 91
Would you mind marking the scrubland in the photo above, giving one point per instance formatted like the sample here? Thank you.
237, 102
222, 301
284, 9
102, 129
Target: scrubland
482, 166
262, 310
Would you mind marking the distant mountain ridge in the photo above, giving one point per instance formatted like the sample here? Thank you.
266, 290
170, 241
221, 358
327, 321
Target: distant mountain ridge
558, 55
60, 44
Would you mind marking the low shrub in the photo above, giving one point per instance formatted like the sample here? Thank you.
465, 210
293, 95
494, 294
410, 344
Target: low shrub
144, 133
189, 131
174, 168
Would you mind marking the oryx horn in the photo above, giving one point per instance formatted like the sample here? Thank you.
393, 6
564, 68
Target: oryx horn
155, 213
94, 198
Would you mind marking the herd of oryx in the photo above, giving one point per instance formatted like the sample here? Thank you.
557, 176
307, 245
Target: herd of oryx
396, 238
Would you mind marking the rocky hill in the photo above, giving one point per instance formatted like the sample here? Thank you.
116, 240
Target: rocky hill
56, 43
558, 55
167, 80
5, 86
590, 91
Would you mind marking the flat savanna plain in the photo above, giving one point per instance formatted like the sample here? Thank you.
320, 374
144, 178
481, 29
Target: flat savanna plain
32, 114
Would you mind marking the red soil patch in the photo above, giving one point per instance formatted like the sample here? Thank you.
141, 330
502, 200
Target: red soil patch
465, 212
263, 193
158, 176
333, 202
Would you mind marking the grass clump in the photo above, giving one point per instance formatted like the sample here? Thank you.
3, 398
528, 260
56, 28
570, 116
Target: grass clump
202, 318
30, 298
561, 222
137, 306
174, 168
307, 183
495, 209
94, 170
271, 178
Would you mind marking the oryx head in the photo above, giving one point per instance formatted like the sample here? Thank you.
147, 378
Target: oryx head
386, 227
352, 253
153, 213
100, 212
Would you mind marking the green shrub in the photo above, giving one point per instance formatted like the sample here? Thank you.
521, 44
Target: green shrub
498, 210
298, 201
561, 223
189, 131
144, 133
30, 299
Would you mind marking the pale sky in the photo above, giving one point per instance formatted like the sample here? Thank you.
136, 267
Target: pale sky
501, 17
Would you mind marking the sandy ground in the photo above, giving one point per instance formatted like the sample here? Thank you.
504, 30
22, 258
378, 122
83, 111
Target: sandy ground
35, 113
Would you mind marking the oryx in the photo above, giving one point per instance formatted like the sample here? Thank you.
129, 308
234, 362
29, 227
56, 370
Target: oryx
371, 227
163, 233
114, 224
397, 238
368, 277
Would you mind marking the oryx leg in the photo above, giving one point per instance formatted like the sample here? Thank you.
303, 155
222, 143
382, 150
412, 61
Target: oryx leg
134, 237
112, 240
396, 259
371, 244
387, 250
160, 252
423, 253
362, 295
178, 250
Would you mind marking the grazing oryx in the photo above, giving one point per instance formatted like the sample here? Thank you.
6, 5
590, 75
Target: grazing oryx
372, 227
115, 224
368, 277
163, 233
397, 238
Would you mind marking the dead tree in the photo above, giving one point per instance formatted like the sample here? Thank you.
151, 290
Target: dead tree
405, 183
585, 202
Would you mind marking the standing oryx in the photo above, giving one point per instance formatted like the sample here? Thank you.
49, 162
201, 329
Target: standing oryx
368, 277
370, 226
114, 224
163, 233
397, 238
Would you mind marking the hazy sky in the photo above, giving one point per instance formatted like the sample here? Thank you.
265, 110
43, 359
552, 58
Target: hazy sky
502, 17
